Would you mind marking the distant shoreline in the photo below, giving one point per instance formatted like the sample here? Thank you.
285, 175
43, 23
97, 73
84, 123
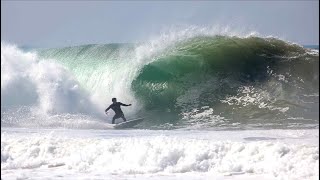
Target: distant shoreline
311, 46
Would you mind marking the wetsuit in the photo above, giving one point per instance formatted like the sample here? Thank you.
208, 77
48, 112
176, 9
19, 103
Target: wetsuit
116, 108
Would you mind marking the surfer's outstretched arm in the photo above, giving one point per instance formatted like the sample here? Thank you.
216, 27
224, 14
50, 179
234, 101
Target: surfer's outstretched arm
107, 109
125, 104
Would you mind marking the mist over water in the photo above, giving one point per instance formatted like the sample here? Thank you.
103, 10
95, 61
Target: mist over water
193, 78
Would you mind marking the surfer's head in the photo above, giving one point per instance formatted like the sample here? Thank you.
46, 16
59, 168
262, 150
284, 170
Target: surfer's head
114, 100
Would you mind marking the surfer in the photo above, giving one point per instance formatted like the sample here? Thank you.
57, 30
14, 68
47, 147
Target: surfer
115, 106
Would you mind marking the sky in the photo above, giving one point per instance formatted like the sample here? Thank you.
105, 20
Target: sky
65, 23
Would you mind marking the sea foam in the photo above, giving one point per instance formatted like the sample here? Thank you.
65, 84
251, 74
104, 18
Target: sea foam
279, 154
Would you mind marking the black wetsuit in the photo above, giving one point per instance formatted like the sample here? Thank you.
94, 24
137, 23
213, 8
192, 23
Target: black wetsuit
116, 108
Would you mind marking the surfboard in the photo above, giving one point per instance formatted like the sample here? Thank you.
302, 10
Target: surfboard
128, 124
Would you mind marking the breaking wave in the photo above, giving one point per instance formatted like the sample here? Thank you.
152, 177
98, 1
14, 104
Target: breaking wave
188, 80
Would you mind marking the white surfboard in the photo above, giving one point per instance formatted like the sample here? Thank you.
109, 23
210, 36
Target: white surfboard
128, 124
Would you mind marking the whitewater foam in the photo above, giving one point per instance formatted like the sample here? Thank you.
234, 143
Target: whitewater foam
275, 153
31, 86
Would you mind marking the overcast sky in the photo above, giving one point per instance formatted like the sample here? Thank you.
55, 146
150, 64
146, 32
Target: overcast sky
65, 23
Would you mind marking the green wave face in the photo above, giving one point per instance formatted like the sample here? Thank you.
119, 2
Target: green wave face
214, 80
90, 63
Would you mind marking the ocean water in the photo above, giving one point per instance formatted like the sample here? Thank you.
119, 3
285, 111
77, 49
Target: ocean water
217, 105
